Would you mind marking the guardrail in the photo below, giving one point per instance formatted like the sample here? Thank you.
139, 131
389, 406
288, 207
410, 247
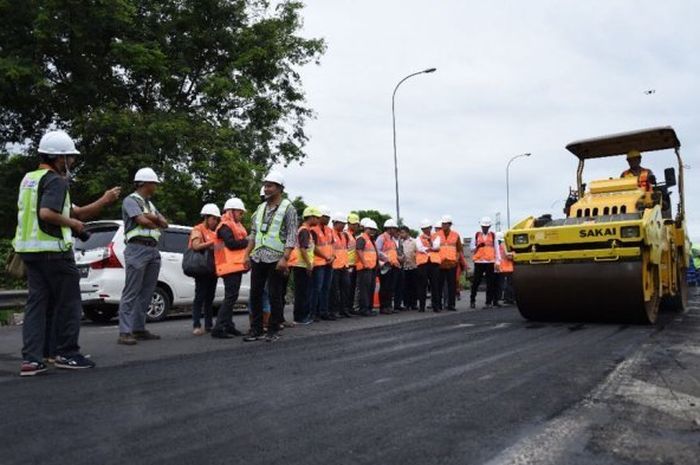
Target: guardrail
13, 299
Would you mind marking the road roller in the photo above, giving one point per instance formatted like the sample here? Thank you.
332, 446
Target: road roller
620, 253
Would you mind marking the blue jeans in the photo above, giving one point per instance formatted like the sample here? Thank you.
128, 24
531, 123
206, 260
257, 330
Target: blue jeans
320, 290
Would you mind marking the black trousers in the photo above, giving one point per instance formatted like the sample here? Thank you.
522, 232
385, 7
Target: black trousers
448, 281
350, 302
365, 289
302, 293
224, 319
266, 274
410, 288
399, 285
429, 276
482, 270
387, 283
340, 289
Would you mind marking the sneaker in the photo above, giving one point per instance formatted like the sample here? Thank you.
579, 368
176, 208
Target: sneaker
254, 336
145, 336
32, 368
234, 332
272, 336
198, 331
127, 339
305, 321
76, 362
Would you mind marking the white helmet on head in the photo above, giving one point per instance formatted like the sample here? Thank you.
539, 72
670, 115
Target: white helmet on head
57, 143
426, 224
146, 175
325, 211
446, 219
437, 225
363, 222
485, 222
210, 209
500, 236
340, 218
234, 203
390, 223
371, 224
274, 176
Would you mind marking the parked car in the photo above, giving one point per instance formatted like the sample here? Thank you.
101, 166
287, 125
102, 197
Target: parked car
100, 260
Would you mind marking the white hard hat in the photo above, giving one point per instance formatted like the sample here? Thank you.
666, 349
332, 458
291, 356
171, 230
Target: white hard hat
437, 225
371, 224
57, 143
234, 203
325, 211
274, 176
446, 219
426, 224
485, 221
500, 236
146, 175
363, 222
340, 218
210, 209
390, 223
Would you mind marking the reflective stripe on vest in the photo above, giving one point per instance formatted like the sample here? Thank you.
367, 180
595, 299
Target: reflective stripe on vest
295, 256
369, 253
138, 230
340, 250
506, 265
642, 179
29, 237
448, 246
268, 235
389, 249
487, 253
352, 246
229, 261
324, 238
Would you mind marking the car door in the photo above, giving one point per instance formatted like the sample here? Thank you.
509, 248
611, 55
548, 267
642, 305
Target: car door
173, 245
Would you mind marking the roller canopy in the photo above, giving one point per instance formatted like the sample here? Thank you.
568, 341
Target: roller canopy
645, 140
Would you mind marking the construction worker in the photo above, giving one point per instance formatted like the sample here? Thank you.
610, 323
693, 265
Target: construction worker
409, 266
353, 230
203, 238
389, 265
47, 221
340, 284
645, 178
142, 228
271, 241
366, 266
230, 260
504, 269
302, 263
450, 250
323, 259
428, 262
485, 255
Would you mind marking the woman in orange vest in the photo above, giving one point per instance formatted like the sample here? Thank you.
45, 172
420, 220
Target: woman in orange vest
428, 261
390, 267
322, 275
366, 266
302, 262
485, 254
504, 268
230, 260
450, 250
203, 237
340, 284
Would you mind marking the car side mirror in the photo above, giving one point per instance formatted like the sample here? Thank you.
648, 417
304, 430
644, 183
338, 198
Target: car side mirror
670, 177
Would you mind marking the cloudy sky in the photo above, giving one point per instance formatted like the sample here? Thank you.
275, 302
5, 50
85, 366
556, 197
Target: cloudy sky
512, 77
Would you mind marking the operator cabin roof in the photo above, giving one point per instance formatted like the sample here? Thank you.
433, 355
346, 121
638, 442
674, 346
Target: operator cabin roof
645, 140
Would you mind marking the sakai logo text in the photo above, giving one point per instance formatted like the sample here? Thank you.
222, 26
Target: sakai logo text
601, 232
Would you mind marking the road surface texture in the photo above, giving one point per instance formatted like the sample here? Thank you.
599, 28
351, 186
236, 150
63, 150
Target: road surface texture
472, 387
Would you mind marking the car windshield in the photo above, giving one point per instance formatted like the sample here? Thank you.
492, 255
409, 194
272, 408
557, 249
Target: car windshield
100, 236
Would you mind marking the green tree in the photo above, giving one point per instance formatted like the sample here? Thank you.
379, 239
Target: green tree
206, 92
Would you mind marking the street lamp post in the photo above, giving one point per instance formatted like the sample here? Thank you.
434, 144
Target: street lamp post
508, 183
393, 120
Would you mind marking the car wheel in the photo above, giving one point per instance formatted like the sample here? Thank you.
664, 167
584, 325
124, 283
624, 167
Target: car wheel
100, 314
160, 305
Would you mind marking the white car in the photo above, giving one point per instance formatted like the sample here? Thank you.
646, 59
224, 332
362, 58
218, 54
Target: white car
100, 260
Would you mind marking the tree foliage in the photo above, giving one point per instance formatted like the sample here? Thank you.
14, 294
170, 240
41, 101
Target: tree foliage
206, 92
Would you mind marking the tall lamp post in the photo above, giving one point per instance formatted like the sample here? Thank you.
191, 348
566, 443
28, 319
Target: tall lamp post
393, 120
508, 183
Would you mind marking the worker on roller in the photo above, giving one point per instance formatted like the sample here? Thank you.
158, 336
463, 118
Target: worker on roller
645, 178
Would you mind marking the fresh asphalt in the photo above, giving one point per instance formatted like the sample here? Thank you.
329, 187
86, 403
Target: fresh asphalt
469, 387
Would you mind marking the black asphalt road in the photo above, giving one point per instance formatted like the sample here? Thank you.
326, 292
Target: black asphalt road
471, 387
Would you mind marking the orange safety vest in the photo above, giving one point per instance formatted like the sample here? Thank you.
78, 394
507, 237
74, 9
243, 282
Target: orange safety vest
423, 257
352, 246
229, 261
324, 244
642, 179
389, 249
448, 248
201, 230
487, 253
369, 253
506, 265
294, 257
340, 248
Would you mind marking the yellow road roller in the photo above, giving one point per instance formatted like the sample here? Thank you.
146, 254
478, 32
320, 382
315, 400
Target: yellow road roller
619, 254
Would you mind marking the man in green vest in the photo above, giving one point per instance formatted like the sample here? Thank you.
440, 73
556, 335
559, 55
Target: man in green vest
142, 226
44, 239
272, 239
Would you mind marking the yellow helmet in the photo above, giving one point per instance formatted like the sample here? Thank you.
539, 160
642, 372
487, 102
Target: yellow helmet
633, 154
353, 218
311, 211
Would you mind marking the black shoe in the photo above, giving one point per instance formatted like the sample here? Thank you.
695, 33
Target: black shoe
497, 305
452, 309
75, 362
218, 334
472, 305
254, 336
272, 336
317, 319
234, 332
345, 314
421, 310
145, 336
354, 312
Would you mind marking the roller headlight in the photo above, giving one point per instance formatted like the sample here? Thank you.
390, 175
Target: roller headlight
628, 232
520, 239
